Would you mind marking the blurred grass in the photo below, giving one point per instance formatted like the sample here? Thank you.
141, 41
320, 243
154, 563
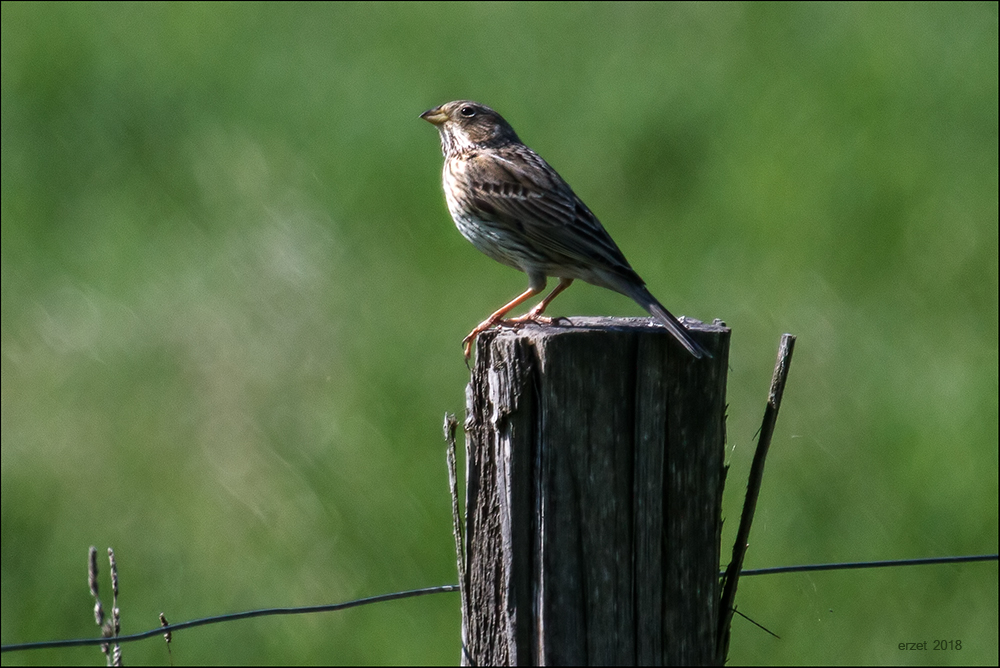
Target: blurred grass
232, 301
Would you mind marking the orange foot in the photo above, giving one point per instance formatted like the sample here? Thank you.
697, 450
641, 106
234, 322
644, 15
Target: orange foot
534, 315
516, 323
494, 319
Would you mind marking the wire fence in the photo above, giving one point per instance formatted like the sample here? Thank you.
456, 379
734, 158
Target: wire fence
167, 629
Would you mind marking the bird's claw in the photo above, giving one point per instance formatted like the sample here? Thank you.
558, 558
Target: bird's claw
523, 320
514, 323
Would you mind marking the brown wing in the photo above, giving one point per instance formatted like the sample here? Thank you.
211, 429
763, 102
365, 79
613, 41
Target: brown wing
526, 195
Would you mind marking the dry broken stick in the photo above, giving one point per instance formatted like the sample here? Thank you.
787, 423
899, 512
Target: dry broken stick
732, 576
450, 428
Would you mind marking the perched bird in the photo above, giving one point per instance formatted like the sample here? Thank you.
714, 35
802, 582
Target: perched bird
515, 208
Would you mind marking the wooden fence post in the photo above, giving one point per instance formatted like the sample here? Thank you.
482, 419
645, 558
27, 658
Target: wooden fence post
595, 468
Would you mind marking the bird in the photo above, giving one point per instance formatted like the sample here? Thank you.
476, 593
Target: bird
514, 207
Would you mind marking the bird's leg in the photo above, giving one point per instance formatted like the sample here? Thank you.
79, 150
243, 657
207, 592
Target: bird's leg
535, 314
499, 314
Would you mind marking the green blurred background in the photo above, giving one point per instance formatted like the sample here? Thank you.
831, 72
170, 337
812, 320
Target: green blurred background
233, 302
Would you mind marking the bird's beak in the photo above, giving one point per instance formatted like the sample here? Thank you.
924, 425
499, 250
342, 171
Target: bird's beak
434, 116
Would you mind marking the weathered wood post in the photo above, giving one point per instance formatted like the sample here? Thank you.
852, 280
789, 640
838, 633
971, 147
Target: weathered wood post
593, 495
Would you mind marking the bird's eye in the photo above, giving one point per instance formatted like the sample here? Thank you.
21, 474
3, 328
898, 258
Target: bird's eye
468, 112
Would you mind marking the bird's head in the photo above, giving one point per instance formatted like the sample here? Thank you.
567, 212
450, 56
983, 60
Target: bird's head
466, 125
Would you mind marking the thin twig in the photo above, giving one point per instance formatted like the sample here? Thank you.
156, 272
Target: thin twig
758, 625
168, 636
93, 585
103, 623
450, 428
753, 491
116, 616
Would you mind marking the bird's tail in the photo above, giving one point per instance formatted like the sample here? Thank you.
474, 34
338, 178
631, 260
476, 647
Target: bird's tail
646, 300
